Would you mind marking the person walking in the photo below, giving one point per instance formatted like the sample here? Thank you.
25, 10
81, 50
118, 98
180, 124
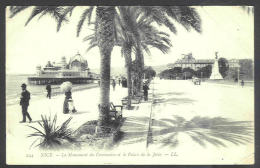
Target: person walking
145, 88
119, 81
114, 84
24, 102
242, 83
48, 88
68, 105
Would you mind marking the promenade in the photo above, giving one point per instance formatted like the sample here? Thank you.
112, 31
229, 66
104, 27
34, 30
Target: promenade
179, 117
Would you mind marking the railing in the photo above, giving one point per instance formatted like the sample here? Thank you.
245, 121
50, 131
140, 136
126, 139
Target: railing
57, 91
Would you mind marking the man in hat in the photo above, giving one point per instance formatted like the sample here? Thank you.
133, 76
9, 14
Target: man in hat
24, 102
145, 88
48, 88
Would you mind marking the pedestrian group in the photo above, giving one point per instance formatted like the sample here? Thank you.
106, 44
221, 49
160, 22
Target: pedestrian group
68, 105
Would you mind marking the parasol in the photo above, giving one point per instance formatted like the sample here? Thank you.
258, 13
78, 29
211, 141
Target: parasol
66, 86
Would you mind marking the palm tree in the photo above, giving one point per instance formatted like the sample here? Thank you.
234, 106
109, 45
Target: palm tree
151, 38
128, 25
184, 15
105, 33
126, 21
123, 39
105, 37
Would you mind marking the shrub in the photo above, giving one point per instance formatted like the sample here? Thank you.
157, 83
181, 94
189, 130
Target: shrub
52, 136
223, 67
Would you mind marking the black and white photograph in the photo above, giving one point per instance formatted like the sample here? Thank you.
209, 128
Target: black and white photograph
130, 85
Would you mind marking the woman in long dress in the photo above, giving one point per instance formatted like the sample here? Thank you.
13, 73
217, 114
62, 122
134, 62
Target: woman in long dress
68, 105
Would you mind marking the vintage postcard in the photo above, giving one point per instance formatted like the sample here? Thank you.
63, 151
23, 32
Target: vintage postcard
122, 85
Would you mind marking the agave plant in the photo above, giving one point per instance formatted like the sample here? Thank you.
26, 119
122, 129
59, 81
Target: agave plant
50, 135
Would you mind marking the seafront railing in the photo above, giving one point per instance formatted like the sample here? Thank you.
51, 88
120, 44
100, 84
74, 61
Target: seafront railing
57, 91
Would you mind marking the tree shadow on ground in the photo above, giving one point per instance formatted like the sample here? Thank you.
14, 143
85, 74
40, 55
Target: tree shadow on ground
173, 101
169, 98
170, 94
80, 112
202, 130
216, 131
134, 130
33, 121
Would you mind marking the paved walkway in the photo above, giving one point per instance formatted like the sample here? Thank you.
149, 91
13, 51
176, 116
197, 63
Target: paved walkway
208, 121
136, 124
186, 119
86, 103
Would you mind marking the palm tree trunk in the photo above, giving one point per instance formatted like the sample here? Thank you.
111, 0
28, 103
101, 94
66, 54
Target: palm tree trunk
128, 62
140, 63
105, 35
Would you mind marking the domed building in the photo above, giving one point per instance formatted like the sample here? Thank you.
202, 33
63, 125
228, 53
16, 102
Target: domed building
75, 71
78, 63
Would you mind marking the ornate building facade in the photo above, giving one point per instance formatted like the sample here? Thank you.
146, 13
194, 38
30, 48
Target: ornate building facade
76, 71
188, 61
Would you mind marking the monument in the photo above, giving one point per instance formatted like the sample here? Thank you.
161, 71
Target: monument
215, 69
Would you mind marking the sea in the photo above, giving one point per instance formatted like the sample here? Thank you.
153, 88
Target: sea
13, 88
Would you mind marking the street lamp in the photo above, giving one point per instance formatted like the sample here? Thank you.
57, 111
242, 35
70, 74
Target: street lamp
238, 75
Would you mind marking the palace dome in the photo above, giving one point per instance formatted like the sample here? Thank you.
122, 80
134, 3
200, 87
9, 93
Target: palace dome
78, 58
78, 62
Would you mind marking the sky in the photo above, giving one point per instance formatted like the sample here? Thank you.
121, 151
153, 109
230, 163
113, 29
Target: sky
226, 29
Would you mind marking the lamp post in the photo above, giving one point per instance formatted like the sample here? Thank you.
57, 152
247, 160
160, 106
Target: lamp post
238, 75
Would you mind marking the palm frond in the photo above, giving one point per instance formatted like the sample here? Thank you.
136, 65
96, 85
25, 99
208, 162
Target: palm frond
157, 14
38, 131
87, 13
63, 18
16, 9
36, 10
146, 49
69, 10
91, 46
163, 48
90, 37
186, 16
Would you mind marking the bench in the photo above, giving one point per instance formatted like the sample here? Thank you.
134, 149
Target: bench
124, 101
134, 100
196, 82
137, 99
115, 111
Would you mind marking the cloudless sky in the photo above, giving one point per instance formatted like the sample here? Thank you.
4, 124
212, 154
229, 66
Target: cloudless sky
228, 30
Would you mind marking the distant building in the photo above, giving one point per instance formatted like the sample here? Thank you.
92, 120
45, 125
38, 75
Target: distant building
76, 71
78, 63
94, 75
233, 63
188, 61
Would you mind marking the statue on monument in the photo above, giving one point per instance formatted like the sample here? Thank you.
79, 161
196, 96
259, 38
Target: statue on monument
215, 69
